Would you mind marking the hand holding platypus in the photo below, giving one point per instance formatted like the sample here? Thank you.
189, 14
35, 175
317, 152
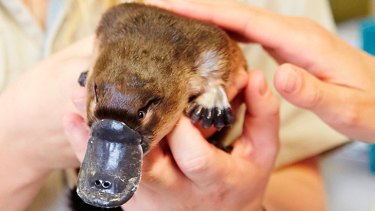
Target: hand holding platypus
149, 67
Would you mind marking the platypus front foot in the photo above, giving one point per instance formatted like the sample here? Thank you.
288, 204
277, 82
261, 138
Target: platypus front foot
211, 108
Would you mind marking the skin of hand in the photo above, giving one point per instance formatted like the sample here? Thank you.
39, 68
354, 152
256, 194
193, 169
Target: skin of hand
32, 139
301, 180
185, 172
318, 70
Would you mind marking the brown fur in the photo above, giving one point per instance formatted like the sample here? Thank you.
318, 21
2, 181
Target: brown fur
148, 57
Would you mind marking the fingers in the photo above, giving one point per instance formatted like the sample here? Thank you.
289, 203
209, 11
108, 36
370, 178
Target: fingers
198, 160
298, 87
237, 84
77, 134
253, 23
261, 126
341, 106
79, 99
304, 90
159, 172
202, 163
310, 41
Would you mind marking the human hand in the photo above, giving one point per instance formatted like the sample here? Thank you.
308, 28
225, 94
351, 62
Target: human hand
188, 173
32, 139
32, 110
319, 71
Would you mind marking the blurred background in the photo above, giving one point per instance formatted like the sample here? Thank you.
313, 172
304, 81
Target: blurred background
349, 172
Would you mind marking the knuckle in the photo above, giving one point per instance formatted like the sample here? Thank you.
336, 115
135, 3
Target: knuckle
312, 33
274, 109
195, 165
313, 98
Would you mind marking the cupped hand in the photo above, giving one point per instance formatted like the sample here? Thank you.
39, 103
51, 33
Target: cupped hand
320, 72
32, 139
33, 107
187, 173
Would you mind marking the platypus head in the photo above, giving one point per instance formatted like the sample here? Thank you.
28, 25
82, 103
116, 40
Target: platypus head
132, 103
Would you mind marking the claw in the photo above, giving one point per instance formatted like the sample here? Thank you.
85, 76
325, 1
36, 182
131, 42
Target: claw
197, 113
218, 118
210, 117
228, 117
207, 118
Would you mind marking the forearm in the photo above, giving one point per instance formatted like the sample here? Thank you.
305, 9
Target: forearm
296, 187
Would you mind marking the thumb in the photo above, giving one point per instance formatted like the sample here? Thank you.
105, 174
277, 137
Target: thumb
198, 160
304, 90
260, 136
77, 133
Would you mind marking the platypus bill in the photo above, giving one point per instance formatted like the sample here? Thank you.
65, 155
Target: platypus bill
150, 66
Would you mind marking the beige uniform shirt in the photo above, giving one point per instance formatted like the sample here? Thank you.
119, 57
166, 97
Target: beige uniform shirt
23, 43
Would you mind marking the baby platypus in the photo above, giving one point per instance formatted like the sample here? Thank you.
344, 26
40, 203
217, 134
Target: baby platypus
150, 66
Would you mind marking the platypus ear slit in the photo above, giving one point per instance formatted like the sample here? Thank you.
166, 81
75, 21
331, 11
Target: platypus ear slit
82, 78
156, 100
192, 98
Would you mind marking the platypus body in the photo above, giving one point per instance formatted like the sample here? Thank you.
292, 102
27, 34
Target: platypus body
150, 66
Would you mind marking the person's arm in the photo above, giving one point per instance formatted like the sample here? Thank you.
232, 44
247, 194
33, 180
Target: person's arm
32, 139
296, 187
320, 72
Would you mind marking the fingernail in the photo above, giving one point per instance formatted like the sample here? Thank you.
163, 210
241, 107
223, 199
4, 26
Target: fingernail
290, 80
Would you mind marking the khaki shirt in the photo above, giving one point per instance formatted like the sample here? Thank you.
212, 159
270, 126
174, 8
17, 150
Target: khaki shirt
23, 43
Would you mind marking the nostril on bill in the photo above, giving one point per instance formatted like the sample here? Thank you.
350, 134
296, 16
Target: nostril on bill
98, 183
106, 184
111, 170
102, 184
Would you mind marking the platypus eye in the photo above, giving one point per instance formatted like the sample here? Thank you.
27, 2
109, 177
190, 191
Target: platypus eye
143, 111
141, 114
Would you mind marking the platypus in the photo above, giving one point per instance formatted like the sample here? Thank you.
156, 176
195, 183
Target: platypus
150, 67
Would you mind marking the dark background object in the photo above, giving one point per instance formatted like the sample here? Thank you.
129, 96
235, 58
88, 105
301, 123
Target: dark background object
77, 204
348, 9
